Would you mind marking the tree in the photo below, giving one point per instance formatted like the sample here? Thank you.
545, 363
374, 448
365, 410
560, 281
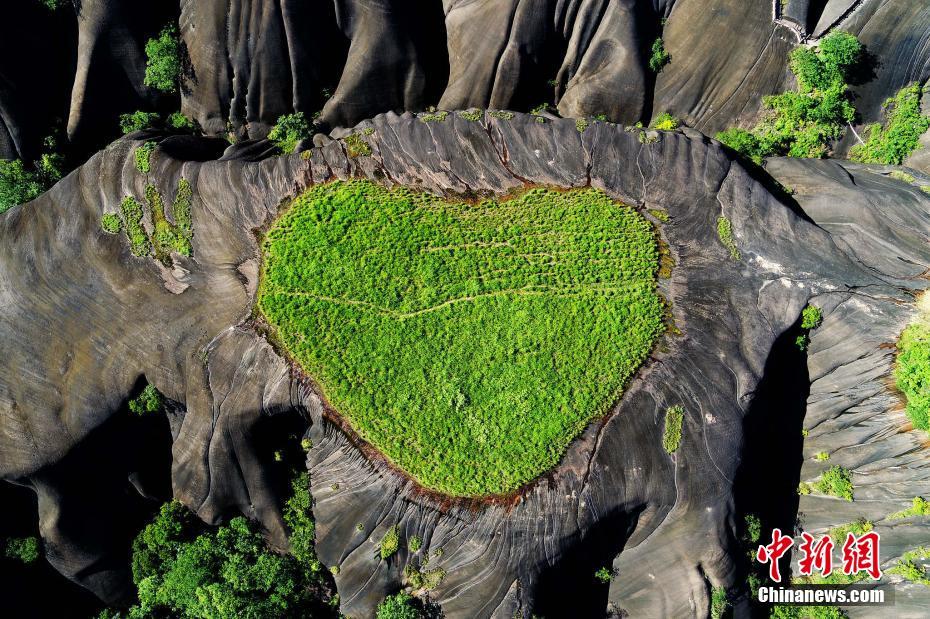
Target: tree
163, 65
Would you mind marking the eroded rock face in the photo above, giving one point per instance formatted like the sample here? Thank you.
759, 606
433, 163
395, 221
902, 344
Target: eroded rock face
250, 62
84, 320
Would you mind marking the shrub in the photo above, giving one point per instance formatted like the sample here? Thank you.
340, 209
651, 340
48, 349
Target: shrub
472, 115
718, 602
581, 124
356, 146
811, 317
857, 528
802, 341
427, 580
821, 456
836, 481
390, 543
919, 507
25, 549
144, 157
54, 5
415, 543
909, 568
434, 117
17, 184
137, 121
604, 575
163, 64
802, 123
399, 606
149, 401
289, 131
666, 122
753, 528
501, 115
658, 57
111, 223
674, 416
725, 234
20, 183
179, 121
132, 213
457, 307
900, 136
912, 373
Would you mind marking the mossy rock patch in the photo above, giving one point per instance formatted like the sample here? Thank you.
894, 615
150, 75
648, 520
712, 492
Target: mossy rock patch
470, 343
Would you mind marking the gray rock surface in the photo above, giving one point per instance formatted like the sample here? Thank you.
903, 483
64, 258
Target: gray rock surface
248, 63
852, 412
84, 321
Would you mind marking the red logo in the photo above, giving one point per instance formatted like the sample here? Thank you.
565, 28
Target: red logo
773, 552
860, 554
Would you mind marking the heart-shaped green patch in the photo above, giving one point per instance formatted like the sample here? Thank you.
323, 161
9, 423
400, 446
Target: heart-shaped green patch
470, 343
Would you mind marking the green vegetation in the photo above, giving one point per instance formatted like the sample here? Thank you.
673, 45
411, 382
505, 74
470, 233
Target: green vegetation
132, 213
836, 481
419, 578
184, 569
414, 543
180, 122
802, 123
474, 341
859, 527
604, 575
912, 372
149, 401
821, 456
659, 214
501, 115
20, 183
581, 124
163, 60
399, 606
25, 549
666, 122
806, 612
472, 115
804, 488
671, 438
753, 530
904, 177
170, 237
909, 567
900, 136
390, 543
53, 5
289, 131
167, 236
144, 157
111, 223
658, 57
718, 602
725, 234
919, 507
431, 117
356, 146
137, 121
811, 317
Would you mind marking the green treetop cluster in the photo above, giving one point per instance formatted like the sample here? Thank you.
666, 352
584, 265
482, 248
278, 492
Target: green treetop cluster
183, 569
167, 237
802, 123
289, 131
470, 343
149, 401
163, 64
20, 183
